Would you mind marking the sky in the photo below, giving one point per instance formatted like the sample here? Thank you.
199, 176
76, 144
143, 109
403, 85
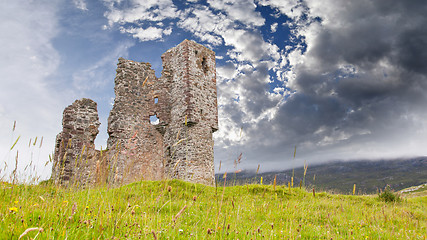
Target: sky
333, 79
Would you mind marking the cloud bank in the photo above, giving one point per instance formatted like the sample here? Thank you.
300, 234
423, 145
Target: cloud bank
28, 60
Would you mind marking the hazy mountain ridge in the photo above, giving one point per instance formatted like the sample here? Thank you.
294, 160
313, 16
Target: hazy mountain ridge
369, 176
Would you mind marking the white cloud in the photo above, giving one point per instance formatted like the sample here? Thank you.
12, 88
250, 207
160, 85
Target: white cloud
147, 34
230, 133
167, 31
250, 46
139, 10
80, 4
228, 71
205, 25
241, 10
247, 44
279, 90
273, 27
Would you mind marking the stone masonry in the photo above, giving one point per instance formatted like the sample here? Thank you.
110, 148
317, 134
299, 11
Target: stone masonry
158, 128
75, 157
137, 143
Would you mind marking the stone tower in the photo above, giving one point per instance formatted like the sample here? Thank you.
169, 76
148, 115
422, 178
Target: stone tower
158, 127
191, 70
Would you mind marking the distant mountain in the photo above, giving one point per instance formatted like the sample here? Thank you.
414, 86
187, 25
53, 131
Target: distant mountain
339, 177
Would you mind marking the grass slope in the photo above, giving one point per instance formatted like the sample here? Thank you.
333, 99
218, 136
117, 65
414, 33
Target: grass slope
181, 210
340, 177
415, 191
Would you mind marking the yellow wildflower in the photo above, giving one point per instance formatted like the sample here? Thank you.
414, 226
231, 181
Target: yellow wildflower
13, 209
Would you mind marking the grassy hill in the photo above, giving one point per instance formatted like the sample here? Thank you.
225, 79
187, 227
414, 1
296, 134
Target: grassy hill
340, 177
415, 191
181, 210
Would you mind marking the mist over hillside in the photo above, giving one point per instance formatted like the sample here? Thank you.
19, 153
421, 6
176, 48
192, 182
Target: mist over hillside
340, 177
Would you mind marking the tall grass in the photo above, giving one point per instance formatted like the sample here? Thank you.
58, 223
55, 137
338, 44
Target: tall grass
185, 210
173, 209
15, 174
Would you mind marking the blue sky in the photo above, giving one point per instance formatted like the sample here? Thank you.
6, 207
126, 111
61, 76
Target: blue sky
338, 79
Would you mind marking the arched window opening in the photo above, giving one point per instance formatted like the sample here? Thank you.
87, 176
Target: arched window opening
154, 120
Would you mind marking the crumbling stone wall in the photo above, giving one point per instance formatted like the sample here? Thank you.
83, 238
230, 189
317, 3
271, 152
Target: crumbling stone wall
178, 145
136, 145
75, 159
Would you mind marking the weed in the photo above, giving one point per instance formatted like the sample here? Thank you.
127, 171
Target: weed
388, 195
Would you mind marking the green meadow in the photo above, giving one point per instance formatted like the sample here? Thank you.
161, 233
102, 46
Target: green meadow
180, 210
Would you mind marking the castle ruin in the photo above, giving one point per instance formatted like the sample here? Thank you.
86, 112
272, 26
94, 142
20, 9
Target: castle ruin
158, 128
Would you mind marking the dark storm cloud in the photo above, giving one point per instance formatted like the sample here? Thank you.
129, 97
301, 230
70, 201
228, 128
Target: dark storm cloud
411, 49
398, 35
361, 89
385, 45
